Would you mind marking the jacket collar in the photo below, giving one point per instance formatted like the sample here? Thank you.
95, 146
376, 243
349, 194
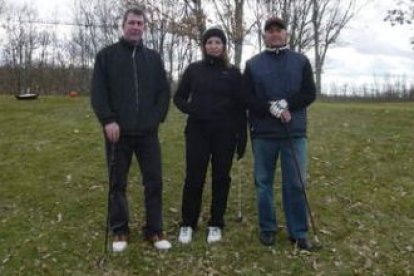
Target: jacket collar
277, 50
211, 60
130, 45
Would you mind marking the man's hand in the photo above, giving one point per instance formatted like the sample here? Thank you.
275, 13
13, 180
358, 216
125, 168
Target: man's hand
278, 107
112, 132
285, 116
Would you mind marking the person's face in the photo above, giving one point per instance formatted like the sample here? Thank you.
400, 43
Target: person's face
214, 46
275, 37
133, 28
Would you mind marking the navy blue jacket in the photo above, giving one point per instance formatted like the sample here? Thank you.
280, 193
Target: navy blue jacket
273, 76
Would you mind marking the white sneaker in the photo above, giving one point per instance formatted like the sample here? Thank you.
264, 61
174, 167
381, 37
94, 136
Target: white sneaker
162, 245
214, 234
159, 242
186, 234
119, 244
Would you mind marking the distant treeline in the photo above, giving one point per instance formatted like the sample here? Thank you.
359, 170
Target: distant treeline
62, 80
45, 80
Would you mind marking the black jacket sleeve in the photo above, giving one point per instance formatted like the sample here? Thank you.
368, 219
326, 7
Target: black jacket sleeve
183, 93
163, 100
259, 107
100, 98
307, 92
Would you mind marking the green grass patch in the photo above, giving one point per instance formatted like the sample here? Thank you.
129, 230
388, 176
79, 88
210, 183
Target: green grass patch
53, 197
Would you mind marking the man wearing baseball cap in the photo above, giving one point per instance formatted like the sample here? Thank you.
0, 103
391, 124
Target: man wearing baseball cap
279, 87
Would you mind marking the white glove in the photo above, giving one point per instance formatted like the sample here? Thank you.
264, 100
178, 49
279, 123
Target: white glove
277, 107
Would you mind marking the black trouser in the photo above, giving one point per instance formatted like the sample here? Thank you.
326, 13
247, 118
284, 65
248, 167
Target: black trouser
148, 153
205, 140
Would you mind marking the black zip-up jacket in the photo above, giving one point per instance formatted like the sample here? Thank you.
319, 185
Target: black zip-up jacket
211, 91
129, 86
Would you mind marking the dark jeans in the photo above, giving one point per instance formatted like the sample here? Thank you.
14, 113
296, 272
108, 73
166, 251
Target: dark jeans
205, 140
148, 154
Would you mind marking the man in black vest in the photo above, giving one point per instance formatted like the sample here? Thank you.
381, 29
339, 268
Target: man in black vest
279, 86
130, 96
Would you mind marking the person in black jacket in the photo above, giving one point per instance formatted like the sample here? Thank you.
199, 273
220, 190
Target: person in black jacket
209, 93
130, 97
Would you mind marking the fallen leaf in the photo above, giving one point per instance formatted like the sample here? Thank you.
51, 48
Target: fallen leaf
173, 210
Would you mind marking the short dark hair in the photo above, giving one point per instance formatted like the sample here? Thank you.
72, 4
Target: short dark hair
136, 11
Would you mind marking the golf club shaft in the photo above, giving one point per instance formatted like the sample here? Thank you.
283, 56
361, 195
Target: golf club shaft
240, 215
292, 149
111, 177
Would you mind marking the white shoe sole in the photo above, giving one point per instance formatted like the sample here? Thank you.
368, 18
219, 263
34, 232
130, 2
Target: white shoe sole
184, 241
162, 245
119, 246
213, 240
216, 237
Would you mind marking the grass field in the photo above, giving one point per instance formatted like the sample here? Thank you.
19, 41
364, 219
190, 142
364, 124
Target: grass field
53, 197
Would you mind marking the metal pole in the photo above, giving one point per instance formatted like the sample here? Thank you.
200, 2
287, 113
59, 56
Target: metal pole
102, 260
292, 148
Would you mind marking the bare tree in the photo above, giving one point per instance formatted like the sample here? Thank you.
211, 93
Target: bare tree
2, 5
296, 14
186, 21
98, 26
329, 17
231, 16
402, 14
20, 43
195, 18
97, 23
171, 23
300, 32
312, 24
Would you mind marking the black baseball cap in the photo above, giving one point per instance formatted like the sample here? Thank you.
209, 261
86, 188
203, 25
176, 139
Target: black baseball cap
274, 21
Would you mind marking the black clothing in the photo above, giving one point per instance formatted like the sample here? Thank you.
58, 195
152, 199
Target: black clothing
129, 86
204, 141
147, 151
209, 92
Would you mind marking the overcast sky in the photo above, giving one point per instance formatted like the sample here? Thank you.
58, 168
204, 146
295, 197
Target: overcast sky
368, 50
371, 47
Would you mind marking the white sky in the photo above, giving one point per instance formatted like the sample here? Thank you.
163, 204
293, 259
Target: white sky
369, 49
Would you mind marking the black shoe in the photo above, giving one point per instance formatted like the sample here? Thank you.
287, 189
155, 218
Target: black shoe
267, 238
302, 243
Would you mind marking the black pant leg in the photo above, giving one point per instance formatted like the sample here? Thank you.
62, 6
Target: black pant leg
223, 147
148, 154
197, 157
119, 214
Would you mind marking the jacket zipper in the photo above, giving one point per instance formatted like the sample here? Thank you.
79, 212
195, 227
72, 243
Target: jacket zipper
134, 64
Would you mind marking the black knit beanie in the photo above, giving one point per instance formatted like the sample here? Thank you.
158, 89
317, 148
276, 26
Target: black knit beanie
213, 32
